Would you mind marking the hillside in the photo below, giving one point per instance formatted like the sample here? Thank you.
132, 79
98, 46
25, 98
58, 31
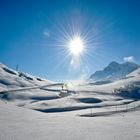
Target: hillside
14, 79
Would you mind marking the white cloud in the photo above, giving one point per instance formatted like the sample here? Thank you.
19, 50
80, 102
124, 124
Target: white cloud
129, 59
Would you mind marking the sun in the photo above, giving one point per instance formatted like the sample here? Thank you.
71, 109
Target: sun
76, 46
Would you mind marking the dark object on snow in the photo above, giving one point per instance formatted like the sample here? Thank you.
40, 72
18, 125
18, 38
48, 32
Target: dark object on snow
9, 71
25, 76
129, 91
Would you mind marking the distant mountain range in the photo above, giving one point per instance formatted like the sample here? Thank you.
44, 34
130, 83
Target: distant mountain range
114, 71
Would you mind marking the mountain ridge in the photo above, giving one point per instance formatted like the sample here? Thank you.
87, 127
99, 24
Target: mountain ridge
114, 71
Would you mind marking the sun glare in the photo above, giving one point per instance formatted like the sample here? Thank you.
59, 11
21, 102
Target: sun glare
76, 46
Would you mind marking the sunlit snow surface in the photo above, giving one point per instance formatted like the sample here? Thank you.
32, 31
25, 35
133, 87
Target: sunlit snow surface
32, 108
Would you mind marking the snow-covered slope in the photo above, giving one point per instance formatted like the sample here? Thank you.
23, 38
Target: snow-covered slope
134, 73
14, 79
114, 71
92, 96
82, 114
47, 99
18, 123
22, 87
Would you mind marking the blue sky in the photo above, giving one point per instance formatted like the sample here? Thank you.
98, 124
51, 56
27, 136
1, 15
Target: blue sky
33, 34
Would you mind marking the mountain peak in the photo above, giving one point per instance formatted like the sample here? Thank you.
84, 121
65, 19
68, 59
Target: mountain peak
114, 71
130, 63
113, 63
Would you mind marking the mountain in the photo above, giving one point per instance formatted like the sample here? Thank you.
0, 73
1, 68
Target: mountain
14, 79
114, 71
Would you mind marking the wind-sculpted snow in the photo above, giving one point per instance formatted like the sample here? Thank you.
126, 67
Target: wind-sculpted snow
31, 92
13, 79
108, 113
89, 100
18, 123
32, 109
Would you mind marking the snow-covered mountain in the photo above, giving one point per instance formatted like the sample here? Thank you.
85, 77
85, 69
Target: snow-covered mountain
13, 79
114, 71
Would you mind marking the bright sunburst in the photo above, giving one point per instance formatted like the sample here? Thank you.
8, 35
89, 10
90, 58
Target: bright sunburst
76, 46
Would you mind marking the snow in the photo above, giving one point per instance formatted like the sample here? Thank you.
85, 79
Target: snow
89, 111
114, 71
12, 79
20, 123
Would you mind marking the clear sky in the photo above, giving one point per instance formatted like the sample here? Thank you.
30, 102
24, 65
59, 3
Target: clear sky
35, 35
